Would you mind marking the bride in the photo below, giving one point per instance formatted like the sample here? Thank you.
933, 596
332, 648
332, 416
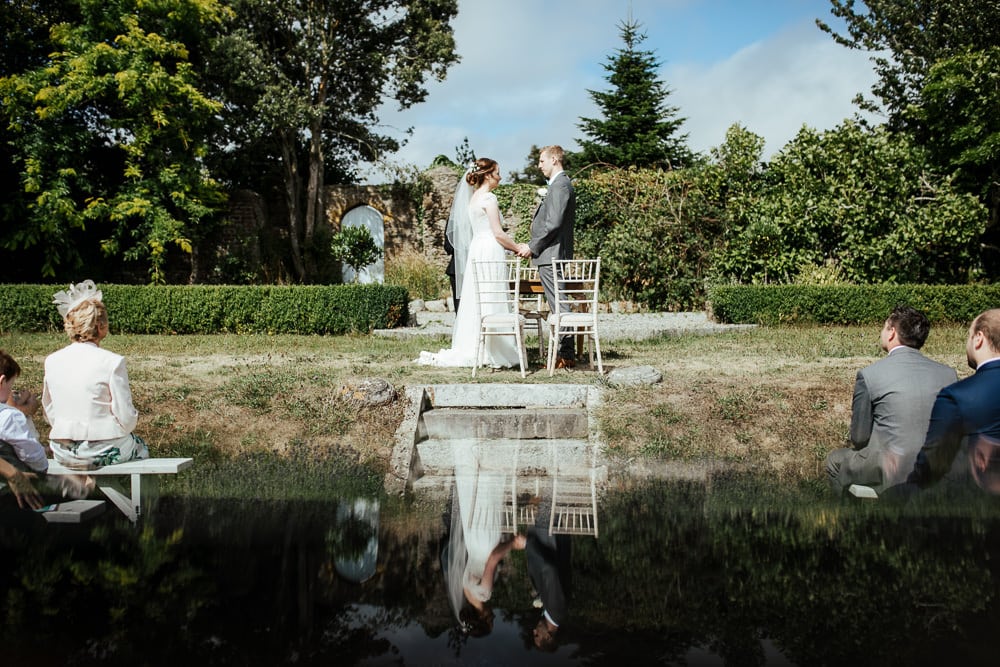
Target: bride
474, 231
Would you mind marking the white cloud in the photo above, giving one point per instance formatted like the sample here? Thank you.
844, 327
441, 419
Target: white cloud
773, 88
526, 68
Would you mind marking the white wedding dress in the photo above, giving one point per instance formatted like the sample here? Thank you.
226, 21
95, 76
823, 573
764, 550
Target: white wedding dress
500, 351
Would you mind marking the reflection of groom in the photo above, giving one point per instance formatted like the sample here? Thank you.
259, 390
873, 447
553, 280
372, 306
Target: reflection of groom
548, 559
552, 235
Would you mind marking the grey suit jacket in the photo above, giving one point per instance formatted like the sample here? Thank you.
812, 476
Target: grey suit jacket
892, 402
552, 224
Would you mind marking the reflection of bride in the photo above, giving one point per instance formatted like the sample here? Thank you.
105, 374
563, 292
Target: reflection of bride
474, 231
475, 548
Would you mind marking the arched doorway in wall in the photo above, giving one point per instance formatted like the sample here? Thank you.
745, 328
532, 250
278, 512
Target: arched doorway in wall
368, 217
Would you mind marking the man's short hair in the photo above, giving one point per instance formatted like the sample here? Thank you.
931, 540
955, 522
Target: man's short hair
555, 152
911, 325
988, 323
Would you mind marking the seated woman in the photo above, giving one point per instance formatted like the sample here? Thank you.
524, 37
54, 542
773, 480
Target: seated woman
86, 395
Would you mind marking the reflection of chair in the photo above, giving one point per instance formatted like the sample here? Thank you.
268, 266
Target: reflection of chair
576, 289
516, 513
574, 504
498, 285
531, 304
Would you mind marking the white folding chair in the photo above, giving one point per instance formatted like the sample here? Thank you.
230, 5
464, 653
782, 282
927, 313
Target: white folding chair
531, 305
498, 285
576, 289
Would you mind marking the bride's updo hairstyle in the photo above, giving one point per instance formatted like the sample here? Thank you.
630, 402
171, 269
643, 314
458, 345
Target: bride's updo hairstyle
480, 168
87, 322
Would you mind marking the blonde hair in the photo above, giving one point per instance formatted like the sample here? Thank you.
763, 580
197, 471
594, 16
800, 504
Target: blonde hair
555, 152
88, 322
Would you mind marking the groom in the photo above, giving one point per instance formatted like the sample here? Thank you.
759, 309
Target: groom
552, 235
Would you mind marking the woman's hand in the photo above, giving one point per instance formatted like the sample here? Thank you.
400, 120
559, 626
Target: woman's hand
24, 490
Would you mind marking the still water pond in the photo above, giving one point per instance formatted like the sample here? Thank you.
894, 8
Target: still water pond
672, 573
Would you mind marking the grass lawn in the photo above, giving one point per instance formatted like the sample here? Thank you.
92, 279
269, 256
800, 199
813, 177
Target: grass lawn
772, 401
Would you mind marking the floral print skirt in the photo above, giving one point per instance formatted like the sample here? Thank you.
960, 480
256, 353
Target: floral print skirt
90, 454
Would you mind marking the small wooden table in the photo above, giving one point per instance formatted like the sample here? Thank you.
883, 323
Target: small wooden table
533, 287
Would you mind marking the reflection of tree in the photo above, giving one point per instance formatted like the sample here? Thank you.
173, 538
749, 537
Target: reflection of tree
676, 567
349, 539
827, 584
100, 594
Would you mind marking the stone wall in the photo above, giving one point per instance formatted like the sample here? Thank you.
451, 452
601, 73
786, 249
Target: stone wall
407, 229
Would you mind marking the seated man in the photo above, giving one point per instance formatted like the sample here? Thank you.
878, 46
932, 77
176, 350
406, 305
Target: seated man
967, 412
891, 407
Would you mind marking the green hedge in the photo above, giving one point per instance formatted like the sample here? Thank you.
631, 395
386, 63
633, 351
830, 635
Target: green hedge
209, 309
846, 304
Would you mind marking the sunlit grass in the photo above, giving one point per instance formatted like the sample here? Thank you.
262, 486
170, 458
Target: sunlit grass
772, 401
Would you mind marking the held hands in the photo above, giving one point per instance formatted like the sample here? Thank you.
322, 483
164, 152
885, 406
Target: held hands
523, 250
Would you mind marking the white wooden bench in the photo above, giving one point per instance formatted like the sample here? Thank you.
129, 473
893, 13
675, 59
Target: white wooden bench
128, 503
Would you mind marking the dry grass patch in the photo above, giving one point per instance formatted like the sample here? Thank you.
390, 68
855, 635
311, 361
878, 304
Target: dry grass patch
772, 400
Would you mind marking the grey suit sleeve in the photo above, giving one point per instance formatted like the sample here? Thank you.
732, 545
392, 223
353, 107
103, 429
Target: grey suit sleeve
861, 414
554, 212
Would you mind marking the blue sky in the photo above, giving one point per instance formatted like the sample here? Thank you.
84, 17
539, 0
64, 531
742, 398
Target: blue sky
527, 66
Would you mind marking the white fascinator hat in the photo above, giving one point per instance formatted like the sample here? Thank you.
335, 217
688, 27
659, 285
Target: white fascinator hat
67, 300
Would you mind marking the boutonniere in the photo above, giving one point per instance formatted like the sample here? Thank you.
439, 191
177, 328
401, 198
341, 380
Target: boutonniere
542, 192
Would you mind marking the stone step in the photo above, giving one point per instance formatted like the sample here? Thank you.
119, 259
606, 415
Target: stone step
437, 457
526, 423
511, 395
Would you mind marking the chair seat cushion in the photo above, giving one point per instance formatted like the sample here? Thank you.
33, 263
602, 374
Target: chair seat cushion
502, 320
573, 320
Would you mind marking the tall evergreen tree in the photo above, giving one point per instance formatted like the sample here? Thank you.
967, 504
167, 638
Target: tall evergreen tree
638, 126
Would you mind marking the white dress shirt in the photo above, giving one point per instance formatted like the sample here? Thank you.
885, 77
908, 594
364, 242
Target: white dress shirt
18, 431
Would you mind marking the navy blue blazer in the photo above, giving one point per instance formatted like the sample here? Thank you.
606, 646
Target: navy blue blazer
967, 408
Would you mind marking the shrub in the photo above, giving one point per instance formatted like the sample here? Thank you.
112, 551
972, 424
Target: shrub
847, 304
209, 309
418, 274
355, 247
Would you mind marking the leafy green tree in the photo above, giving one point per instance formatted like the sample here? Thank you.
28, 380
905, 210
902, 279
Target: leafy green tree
906, 38
109, 135
653, 232
959, 106
867, 200
355, 247
638, 127
303, 81
936, 64
24, 36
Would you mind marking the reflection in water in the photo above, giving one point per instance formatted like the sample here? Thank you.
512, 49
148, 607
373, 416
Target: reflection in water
682, 573
499, 505
984, 463
354, 539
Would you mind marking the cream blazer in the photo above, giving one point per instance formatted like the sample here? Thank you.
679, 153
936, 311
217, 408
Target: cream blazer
86, 394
